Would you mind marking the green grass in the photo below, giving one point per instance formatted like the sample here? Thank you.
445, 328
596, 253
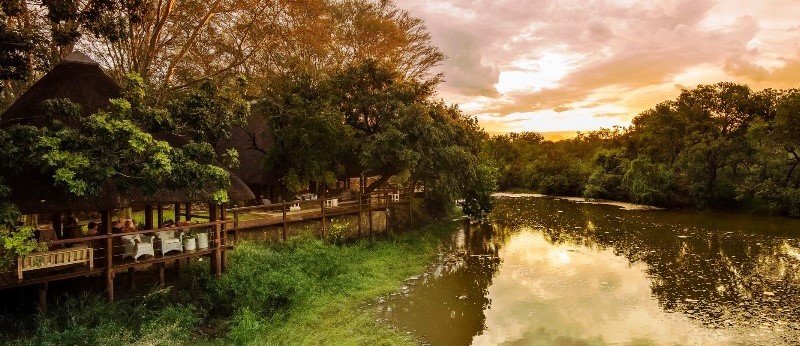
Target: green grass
304, 291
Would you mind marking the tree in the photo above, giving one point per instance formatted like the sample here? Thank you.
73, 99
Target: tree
310, 139
376, 102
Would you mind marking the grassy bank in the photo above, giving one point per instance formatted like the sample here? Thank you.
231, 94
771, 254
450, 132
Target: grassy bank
304, 291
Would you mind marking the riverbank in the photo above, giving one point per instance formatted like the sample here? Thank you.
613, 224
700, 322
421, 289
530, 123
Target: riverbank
303, 291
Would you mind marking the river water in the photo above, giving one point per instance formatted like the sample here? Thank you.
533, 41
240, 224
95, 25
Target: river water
547, 271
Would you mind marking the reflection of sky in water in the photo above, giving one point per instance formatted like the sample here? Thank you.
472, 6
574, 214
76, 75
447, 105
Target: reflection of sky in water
566, 293
549, 271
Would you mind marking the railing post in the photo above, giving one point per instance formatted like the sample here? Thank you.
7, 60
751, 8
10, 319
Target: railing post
148, 217
410, 211
160, 212
369, 212
283, 209
177, 212
216, 262
223, 215
235, 224
105, 215
322, 210
359, 214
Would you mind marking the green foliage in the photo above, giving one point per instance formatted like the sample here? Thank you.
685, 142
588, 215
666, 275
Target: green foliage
304, 291
647, 183
337, 232
89, 320
368, 119
15, 240
720, 145
209, 112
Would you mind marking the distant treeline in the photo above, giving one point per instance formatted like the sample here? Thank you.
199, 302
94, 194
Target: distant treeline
716, 146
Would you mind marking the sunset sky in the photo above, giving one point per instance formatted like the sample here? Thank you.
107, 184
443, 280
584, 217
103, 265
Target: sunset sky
557, 65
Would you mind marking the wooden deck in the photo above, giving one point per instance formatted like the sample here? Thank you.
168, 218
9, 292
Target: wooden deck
108, 249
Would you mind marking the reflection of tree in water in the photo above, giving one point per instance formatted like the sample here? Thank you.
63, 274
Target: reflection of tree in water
715, 267
446, 308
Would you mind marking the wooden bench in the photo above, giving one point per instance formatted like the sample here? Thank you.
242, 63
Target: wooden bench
55, 258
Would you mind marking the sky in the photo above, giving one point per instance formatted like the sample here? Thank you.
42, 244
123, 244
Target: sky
579, 65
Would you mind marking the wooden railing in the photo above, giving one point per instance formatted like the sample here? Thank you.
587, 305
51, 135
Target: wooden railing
107, 250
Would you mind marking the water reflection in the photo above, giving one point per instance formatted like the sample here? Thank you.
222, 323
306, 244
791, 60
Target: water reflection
549, 271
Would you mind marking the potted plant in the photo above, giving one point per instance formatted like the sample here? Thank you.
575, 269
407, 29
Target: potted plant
202, 237
189, 242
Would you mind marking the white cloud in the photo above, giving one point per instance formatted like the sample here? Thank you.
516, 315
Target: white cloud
509, 57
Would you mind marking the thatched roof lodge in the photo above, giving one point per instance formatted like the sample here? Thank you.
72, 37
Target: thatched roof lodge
82, 81
77, 78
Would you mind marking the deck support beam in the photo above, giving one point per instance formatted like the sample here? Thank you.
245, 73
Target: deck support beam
216, 259
161, 274
223, 215
105, 216
131, 278
43, 298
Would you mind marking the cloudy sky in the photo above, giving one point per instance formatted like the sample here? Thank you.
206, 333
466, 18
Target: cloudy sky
577, 65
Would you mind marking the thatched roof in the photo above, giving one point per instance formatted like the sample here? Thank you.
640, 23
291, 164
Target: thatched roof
81, 80
77, 78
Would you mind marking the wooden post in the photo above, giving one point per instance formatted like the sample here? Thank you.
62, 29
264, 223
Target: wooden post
223, 215
189, 211
43, 297
283, 208
106, 221
359, 214
235, 224
217, 257
322, 210
148, 217
177, 212
369, 213
110, 285
131, 279
410, 212
160, 213
212, 216
161, 274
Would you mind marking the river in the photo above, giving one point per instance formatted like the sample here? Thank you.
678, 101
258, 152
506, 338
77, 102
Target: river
548, 271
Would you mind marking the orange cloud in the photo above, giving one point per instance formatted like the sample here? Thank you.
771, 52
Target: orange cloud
552, 64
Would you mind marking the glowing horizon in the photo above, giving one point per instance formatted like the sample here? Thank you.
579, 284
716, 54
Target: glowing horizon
554, 66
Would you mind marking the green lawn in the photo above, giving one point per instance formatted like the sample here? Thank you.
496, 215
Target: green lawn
304, 291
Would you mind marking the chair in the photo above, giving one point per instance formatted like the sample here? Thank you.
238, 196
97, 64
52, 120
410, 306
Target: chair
134, 249
295, 207
169, 242
330, 203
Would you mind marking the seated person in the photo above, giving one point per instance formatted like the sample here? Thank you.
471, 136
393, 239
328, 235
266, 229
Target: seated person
92, 229
129, 227
116, 227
